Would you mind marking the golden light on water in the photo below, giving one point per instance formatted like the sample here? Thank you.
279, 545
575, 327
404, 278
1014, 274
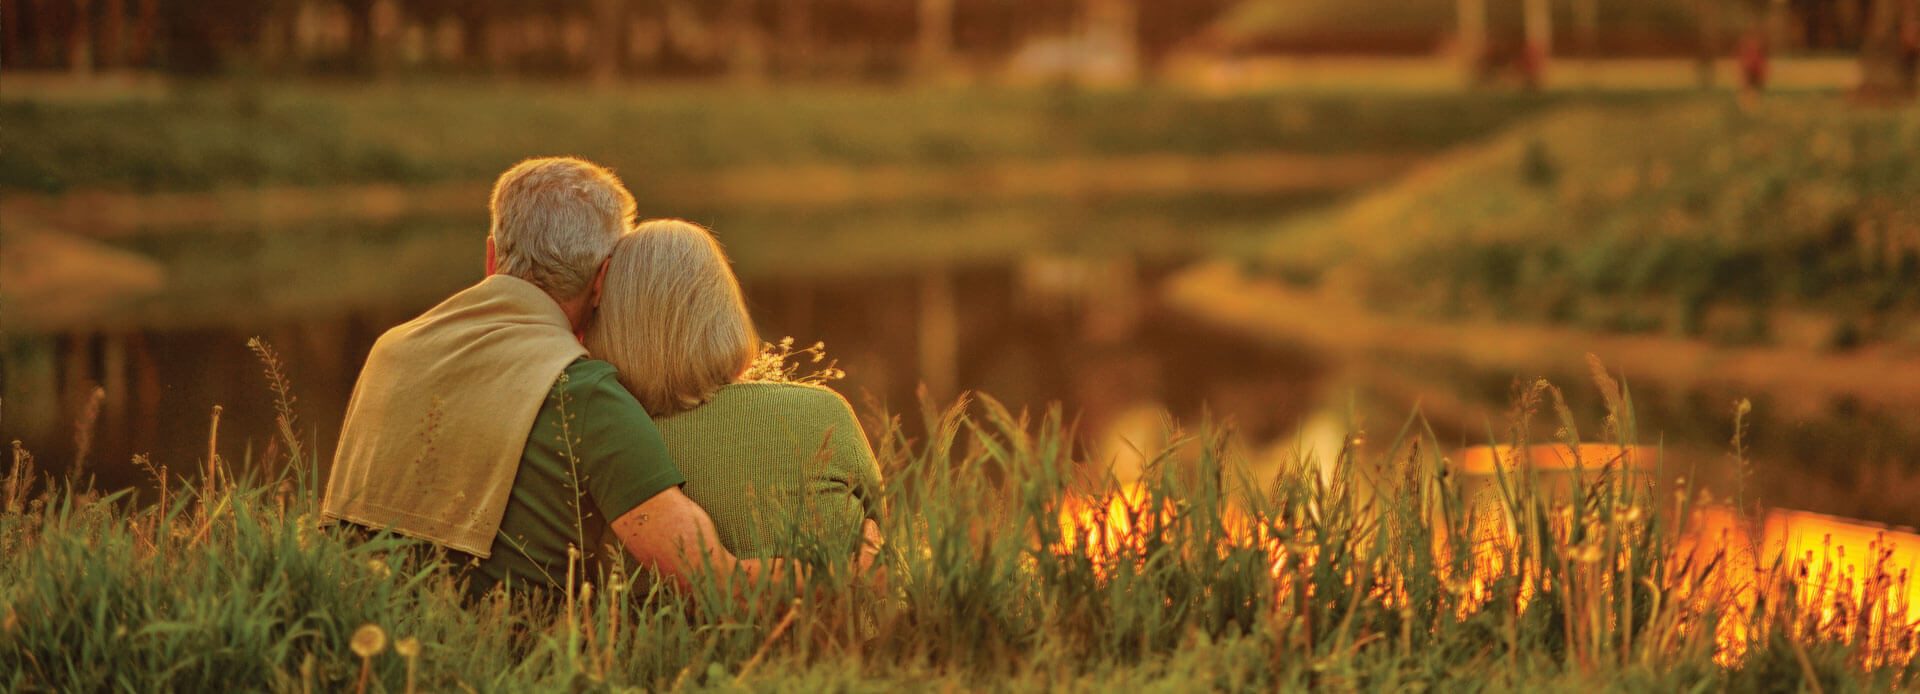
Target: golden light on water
1823, 576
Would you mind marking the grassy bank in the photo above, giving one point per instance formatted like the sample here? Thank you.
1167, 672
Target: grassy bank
195, 137
1009, 566
1795, 219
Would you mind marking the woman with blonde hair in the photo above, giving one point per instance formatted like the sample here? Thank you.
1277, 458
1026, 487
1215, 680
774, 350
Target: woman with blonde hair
783, 468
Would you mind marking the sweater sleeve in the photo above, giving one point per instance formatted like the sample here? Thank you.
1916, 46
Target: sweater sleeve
843, 485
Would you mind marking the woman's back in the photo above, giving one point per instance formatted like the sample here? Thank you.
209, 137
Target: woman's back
775, 464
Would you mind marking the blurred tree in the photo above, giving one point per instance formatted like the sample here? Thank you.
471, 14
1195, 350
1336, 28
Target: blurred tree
1708, 50
205, 36
796, 32
1471, 37
146, 29
113, 34
1162, 25
1890, 50
607, 40
1537, 22
935, 36
80, 39
10, 35
360, 44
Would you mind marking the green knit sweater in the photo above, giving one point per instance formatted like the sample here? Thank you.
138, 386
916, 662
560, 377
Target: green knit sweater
784, 469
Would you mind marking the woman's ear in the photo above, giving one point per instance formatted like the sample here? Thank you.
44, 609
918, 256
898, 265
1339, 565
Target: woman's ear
492, 265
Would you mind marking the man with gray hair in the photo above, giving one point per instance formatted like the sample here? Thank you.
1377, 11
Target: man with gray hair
482, 427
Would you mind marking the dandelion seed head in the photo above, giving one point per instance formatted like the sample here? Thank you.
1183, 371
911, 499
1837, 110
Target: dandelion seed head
368, 641
408, 647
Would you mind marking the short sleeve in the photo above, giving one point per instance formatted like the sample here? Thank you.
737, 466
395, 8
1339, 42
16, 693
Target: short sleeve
849, 491
851, 458
623, 459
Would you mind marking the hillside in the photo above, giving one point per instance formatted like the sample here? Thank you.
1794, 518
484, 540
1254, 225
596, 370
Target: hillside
1785, 221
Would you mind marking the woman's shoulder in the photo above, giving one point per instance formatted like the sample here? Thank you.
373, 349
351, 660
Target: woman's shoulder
808, 406
776, 394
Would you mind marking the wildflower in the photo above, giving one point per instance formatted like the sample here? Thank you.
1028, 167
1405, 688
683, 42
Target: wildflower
408, 648
368, 641
378, 568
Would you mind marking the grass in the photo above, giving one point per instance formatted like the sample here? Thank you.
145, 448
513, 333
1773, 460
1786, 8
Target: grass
1004, 571
1708, 218
225, 135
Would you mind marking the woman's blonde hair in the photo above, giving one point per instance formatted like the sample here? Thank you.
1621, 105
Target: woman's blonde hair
671, 317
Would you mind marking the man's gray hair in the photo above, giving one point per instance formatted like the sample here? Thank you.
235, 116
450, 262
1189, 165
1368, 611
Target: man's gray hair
555, 220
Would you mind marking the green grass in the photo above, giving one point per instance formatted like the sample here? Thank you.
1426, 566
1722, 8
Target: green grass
225, 584
202, 136
1644, 219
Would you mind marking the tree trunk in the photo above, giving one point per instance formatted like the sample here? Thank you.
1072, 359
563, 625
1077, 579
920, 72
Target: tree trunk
796, 34
1709, 48
46, 41
609, 24
360, 46
1888, 51
80, 39
1586, 19
1538, 51
146, 26
936, 36
113, 34
474, 31
1472, 18
10, 35
745, 55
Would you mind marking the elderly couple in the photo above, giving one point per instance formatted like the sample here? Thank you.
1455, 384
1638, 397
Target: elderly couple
591, 384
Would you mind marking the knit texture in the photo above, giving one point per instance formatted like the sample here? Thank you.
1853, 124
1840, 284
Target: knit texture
440, 415
781, 467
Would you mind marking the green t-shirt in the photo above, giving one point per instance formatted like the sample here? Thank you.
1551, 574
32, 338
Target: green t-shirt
591, 429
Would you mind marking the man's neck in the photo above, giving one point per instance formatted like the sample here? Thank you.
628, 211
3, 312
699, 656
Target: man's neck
577, 310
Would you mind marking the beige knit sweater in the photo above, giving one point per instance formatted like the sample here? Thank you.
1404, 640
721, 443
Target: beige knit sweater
440, 415
784, 469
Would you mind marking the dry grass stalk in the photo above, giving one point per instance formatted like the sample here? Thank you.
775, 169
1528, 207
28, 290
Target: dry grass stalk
83, 430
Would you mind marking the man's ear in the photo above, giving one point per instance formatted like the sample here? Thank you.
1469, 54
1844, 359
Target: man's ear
492, 265
600, 282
